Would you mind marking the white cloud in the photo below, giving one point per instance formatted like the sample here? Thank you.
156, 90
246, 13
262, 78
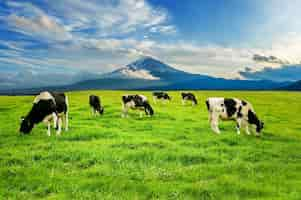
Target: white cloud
163, 29
109, 18
41, 26
86, 35
33, 21
88, 19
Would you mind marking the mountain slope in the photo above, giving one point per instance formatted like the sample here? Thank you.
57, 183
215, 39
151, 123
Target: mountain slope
151, 74
148, 68
220, 84
296, 86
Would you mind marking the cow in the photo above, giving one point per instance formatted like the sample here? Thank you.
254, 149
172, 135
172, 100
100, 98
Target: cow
47, 106
95, 105
232, 109
188, 96
162, 96
138, 102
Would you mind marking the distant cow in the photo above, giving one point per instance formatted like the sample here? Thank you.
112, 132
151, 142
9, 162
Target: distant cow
188, 96
138, 102
47, 106
232, 109
95, 105
161, 96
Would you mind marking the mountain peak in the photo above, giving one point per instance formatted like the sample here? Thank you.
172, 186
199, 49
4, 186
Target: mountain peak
147, 68
146, 58
152, 65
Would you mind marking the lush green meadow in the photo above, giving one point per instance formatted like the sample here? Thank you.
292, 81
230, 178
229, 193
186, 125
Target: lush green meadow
172, 155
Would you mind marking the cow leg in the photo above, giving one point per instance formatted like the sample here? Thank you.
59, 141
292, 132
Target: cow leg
48, 124
214, 123
58, 132
238, 125
215, 127
47, 121
247, 129
209, 117
246, 126
183, 102
124, 111
66, 121
48, 128
141, 113
54, 117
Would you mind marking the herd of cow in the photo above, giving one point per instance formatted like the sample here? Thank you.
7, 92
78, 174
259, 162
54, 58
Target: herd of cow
50, 106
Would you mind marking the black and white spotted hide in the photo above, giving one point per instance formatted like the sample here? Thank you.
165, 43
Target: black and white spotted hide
136, 102
47, 107
188, 96
95, 105
232, 109
161, 96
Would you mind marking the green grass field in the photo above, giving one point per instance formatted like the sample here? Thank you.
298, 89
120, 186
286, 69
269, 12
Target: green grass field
173, 155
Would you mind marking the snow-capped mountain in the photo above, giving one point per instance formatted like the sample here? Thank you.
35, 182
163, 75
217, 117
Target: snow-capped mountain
146, 68
150, 74
137, 73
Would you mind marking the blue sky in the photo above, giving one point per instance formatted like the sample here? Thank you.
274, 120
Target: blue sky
215, 37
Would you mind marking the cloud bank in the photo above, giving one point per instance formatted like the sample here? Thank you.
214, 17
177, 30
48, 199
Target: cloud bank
284, 73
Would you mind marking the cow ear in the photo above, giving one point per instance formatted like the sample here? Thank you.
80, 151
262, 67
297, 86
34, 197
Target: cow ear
21, 118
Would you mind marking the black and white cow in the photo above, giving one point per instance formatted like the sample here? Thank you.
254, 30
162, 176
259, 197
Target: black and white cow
232, 109
47, 106
138, 102
161, 96
95, 105
188, 96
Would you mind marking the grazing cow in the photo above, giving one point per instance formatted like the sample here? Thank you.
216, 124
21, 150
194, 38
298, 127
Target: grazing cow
188, 96
232, 109
47, 106
95, 105
161, 96
138, 102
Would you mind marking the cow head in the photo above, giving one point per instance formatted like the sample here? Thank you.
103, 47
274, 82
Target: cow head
26, 125
148, 109
259, 126
101, 110
195, 101
253, 119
